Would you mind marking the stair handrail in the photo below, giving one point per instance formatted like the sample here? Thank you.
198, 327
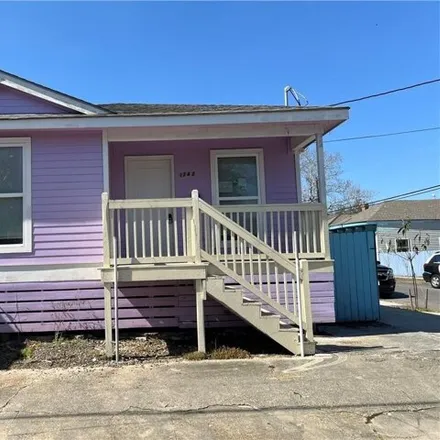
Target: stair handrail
303, 316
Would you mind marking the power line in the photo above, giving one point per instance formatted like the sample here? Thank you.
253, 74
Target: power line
408, 194
370, 136
388, 92
396, 197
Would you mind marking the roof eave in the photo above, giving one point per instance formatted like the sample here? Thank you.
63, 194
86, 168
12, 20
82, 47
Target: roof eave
47, 94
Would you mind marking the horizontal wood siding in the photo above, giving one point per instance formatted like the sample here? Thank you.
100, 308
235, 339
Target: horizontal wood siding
321, 294
67, 182
79, 306
194, 156
15, 102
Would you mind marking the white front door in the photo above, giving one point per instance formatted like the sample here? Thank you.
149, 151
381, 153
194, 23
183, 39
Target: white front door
149, 177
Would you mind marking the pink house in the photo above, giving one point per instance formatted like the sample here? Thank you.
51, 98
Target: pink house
191, 213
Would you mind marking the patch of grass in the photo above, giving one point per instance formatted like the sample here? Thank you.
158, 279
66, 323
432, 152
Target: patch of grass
27, 352
229, 353
58, 338
194, 356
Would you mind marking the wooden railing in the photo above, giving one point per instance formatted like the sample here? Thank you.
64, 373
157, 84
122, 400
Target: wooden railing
277, 225
147, 231
255, 266
171, 231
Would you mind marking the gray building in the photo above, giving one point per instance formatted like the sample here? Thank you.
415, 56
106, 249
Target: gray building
391, 246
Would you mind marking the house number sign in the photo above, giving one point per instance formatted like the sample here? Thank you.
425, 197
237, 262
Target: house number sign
187, 174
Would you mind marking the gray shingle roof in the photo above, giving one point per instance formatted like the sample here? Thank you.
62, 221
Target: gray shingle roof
393, 210
145, 109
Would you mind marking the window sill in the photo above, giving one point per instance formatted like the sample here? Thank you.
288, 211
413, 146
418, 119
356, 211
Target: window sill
15, 249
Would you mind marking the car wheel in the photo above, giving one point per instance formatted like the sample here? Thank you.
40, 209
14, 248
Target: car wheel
435, 281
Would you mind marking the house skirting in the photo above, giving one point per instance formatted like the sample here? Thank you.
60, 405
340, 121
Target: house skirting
79, 306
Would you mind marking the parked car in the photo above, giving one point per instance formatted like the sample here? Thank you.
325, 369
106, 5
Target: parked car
431, 269
386, 280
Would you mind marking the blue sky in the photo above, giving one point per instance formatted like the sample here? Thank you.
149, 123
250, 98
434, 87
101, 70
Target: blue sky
245, 53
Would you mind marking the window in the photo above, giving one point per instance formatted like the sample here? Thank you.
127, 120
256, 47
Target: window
402, 245
237, 177
15, 195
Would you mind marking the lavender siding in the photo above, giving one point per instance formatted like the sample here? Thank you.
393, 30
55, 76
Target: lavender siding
15, 102
80, 306
67, 182
73, 306
195, 156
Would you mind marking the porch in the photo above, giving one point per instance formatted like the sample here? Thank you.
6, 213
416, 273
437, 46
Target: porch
242, 256
243, 237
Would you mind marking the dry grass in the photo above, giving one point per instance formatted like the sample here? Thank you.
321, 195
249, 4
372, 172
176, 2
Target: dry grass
229, 353
194, 356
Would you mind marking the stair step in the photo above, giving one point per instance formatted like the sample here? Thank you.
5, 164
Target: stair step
260, 314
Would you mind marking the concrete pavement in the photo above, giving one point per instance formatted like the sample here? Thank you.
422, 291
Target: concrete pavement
401, 295
367, 382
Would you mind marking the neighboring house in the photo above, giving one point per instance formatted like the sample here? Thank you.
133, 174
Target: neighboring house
391, 246
85, 188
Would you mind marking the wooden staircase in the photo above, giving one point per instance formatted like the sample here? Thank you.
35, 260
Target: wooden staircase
261, 316
230, 263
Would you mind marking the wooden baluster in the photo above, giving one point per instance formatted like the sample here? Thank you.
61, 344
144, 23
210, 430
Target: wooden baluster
205, 243
277, 284
176, 239
135, 233
143, 233
271, 214
217, 240
234, 262
167, 231
159, 231
225, 246
260, 271
184, 226
268, 281
265, 214
307, 230
279, 231
314, 230
286, 233
151, 222
243, 270
212, 236
251, 265
127, 241
119, 233
286, 293
300, 234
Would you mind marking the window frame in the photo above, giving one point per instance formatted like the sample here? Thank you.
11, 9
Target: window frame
243, 152
409, 244
26, 194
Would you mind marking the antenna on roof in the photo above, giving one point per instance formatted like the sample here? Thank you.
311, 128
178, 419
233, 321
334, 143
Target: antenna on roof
296, 95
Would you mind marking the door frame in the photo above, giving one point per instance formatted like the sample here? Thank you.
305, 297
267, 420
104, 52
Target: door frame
170, 157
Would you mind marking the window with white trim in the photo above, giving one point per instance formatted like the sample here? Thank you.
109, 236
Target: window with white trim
238, 177
15, 195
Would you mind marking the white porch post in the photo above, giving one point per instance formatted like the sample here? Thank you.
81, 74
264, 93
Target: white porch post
322, 194
200, 309
297, 159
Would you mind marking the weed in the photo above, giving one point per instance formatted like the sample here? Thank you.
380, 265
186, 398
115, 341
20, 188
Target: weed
27, 352
229, 353
194, 356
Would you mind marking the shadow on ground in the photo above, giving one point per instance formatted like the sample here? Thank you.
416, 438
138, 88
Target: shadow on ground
11, 350
393, 320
